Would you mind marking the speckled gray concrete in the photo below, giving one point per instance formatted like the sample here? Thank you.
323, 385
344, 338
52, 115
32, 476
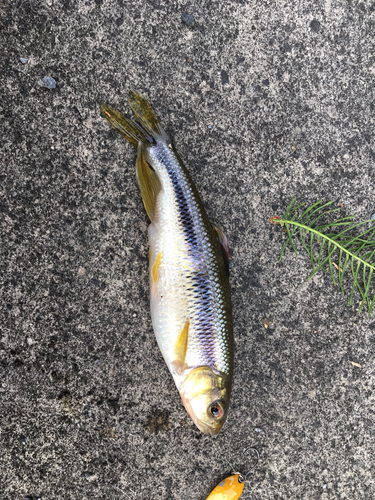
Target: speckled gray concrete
87, 406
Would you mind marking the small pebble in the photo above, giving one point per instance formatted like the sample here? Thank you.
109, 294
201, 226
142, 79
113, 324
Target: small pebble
315, 25
224, 77
23, 60
49, 82
324, 486
188, 19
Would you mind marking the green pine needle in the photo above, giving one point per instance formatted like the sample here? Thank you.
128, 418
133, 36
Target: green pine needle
333, 246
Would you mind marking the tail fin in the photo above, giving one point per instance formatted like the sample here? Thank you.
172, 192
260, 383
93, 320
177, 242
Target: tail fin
126, 127
146, 126
145, 116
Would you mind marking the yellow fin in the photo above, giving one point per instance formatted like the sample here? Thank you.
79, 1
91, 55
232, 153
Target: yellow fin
148, 183
155, 268
180, 348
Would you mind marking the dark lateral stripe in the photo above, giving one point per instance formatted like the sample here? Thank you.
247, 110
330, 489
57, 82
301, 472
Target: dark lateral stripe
201, 288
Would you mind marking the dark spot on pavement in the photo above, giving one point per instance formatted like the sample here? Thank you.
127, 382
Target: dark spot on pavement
157, 420
224, 77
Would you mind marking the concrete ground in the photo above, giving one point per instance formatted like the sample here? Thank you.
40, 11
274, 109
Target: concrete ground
265, 100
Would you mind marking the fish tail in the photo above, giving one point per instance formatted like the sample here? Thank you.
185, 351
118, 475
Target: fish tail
146, 128
132, 131
145, 117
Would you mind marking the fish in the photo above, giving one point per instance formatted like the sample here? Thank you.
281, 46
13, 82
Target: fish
190, 298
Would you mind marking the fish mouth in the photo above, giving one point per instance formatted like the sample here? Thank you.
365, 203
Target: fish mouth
199, 391
206, 429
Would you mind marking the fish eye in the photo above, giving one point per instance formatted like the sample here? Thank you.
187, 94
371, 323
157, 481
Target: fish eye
216, 410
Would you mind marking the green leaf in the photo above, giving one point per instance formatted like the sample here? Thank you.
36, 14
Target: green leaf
339, 247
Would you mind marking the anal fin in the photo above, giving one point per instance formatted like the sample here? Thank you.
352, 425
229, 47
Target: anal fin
148, 182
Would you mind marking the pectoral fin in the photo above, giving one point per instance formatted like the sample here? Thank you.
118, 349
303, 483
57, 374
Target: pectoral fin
148, 183
222, 239
180, 348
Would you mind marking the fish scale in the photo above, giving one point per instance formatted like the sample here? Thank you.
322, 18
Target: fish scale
189, 285
177, 208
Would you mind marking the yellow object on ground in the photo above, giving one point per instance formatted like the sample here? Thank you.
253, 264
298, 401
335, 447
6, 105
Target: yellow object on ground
229, 489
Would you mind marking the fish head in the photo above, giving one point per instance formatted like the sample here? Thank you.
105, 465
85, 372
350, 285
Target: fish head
205, 394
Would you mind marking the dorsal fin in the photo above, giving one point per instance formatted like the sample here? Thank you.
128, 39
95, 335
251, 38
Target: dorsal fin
222, 239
